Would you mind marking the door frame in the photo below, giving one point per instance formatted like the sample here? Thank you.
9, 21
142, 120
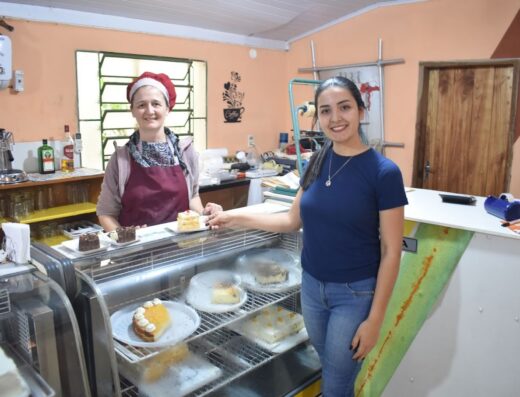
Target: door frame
420, 126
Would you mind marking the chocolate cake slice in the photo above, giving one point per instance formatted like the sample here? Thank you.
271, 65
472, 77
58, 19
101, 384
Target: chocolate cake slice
88, 242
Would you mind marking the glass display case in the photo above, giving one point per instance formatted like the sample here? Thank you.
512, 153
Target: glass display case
247, 338
39, 333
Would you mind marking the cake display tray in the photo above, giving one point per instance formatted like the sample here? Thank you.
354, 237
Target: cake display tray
184, 319
179, 380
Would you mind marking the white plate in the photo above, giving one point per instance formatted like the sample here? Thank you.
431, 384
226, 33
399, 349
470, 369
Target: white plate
278, 347
116, 244
294, 279
202, 226
180, 379
185, 321
203, 302
73, 245
200, 291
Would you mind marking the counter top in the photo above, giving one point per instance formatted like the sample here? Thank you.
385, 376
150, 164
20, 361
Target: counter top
426, 206
225, 184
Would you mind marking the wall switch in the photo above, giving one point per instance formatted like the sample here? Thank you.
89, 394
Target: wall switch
18, 81
250, 140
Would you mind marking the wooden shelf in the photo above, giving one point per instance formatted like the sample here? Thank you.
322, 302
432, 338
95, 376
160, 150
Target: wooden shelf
59, 212
54, 240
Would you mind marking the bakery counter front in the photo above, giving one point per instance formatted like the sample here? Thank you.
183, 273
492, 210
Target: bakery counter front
453, 323
191, 313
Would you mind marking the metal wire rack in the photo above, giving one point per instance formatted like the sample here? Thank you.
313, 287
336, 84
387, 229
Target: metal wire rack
182, 249
233, 354
210, 322
5, 303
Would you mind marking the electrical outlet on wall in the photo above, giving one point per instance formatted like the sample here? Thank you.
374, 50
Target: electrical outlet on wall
250, 140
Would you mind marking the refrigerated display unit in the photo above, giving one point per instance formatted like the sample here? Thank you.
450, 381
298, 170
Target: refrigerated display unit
210, 349
39, 332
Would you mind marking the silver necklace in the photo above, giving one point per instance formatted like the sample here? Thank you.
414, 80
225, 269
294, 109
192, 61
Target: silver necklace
329, 179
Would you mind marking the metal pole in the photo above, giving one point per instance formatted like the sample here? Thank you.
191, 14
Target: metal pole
352, 65
294, 116
313, 54
381, 93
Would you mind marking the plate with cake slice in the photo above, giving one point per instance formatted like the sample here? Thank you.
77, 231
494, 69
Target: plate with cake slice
154, 323
216, 291
122, 236
189, 222
85, 244
269, 270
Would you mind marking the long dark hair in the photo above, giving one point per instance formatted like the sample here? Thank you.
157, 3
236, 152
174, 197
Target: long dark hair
315, 163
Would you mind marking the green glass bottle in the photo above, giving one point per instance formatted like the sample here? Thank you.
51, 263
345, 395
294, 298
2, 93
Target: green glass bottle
46, 158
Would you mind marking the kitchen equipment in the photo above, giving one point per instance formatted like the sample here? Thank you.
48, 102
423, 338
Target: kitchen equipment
7, 173
503, 208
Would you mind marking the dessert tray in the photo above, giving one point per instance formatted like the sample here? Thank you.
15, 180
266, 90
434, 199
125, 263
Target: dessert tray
200, 291
73, 245
294, 280
116, 244
202, 226
185, 321
274, 328
247, 268
179, 380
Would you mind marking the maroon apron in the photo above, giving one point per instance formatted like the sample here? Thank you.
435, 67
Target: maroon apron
153, 195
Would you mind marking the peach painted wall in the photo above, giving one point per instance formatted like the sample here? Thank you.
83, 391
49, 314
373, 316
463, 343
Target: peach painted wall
46, 54
425, 31
435, 30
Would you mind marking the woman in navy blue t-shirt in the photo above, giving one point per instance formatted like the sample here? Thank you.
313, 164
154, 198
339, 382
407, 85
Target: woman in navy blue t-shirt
351, 207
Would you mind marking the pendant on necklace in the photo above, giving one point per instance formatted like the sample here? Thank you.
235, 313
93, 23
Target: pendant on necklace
328, 183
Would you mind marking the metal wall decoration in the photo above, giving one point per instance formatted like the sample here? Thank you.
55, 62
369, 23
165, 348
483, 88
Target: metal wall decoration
369, 78
233, 98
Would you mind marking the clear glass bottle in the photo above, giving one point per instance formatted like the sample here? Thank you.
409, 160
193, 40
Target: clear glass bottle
46, 158
67, 161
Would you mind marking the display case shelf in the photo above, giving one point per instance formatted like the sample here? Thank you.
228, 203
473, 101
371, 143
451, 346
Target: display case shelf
210, 322
63, 211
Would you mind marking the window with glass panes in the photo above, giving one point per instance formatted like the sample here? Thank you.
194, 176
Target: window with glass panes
104, 116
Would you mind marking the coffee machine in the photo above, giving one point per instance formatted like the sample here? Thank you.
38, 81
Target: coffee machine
7, 173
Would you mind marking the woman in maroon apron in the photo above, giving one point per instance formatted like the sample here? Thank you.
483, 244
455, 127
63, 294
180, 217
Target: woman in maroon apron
154, 176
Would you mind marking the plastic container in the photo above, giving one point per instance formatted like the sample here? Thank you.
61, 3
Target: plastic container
502, 208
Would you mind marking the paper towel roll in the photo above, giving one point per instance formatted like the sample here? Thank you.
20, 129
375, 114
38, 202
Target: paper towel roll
17, 242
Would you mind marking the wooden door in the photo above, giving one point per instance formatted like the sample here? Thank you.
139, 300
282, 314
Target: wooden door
465, 126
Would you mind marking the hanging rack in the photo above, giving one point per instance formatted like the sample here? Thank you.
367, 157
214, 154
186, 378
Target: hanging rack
294, 116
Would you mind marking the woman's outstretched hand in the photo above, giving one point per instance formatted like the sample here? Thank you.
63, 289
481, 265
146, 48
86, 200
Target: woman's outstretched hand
211, 208
219, 219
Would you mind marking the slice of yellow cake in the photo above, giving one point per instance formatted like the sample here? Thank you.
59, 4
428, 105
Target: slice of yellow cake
188, 221
225, 293
151, 320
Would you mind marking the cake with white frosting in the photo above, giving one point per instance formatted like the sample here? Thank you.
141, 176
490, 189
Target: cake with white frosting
270, 273
188, 221
150, 320
273, 324
225, 293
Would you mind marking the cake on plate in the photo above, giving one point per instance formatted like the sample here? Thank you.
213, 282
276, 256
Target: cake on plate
154, 368
273, 324
123, 234
11, 383
150, 320
225, 293
188, 221
88, 242
270, 273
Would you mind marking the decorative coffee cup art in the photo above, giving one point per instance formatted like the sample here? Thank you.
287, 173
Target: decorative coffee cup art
233, 99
